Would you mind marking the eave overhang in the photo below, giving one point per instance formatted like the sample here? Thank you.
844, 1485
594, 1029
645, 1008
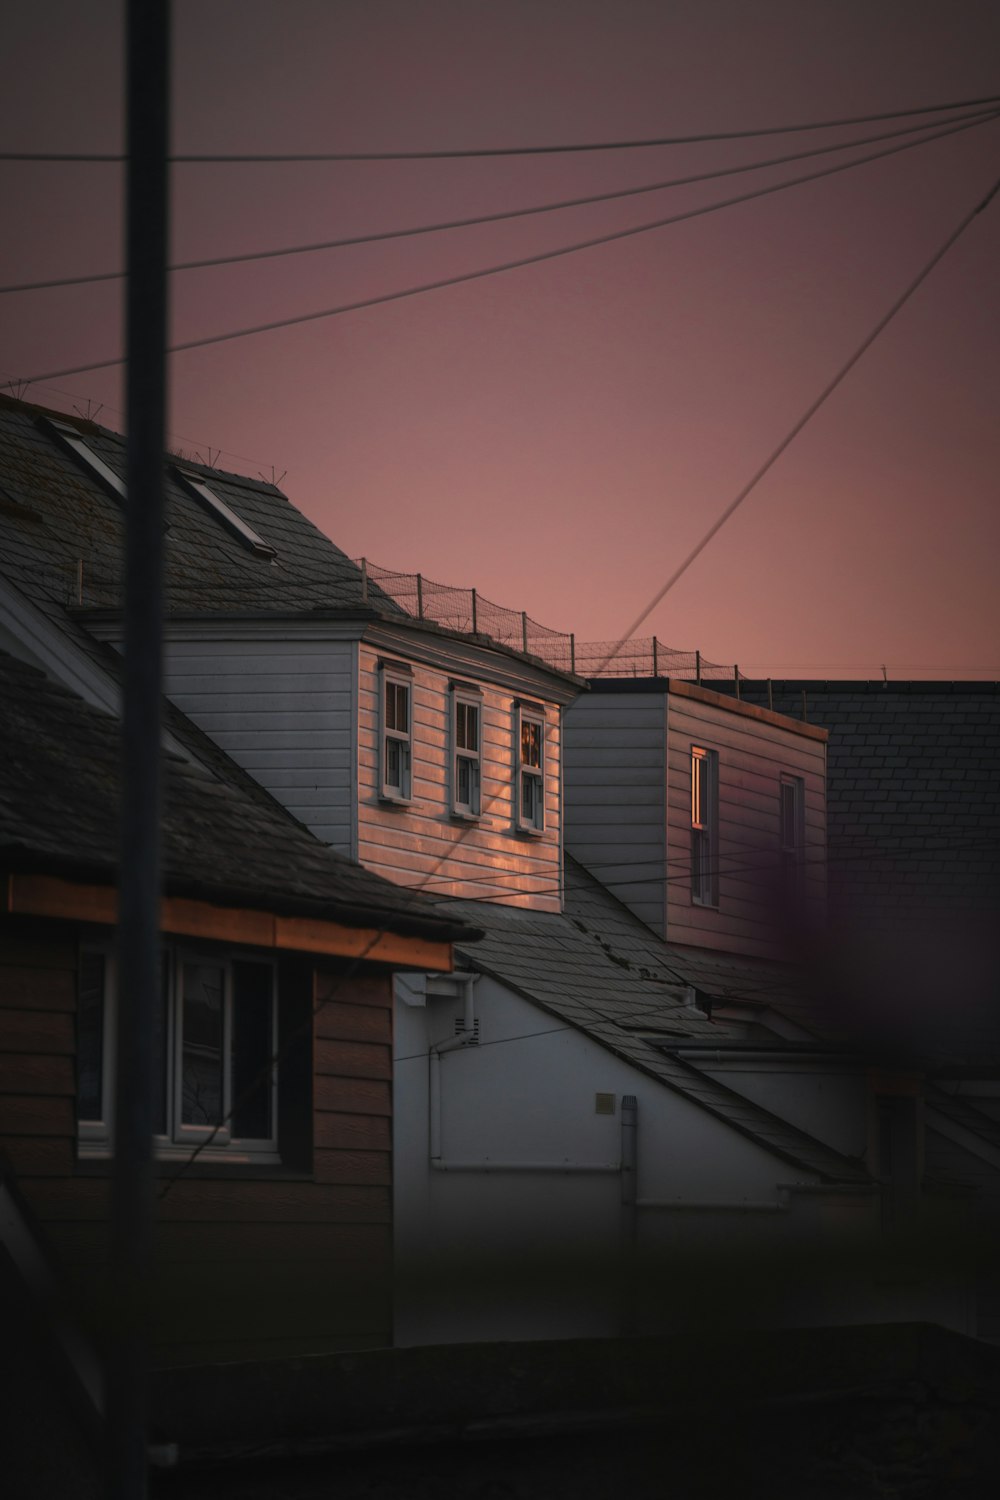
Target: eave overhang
66, 900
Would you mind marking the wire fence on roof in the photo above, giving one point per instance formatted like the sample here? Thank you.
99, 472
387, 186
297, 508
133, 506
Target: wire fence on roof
362, 583
466, 611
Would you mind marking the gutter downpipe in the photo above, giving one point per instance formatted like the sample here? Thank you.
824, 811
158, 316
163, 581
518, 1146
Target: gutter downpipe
461, 1038
629, 1215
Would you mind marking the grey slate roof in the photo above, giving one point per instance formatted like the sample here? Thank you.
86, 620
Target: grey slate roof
602, 971
913, 790
54, 512
59, 787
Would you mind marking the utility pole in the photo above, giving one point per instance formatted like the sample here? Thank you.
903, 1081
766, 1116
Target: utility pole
147, 110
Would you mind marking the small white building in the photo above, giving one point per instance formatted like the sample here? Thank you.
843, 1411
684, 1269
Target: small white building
580, 1150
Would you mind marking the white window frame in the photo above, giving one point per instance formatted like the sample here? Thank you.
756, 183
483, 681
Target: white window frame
704, 826
96, 1137
467, 698
396, 677
526, 821
792, 839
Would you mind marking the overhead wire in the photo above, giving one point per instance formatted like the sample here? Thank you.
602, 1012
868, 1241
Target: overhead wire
479, 152
537, 258
807, 415
475, 220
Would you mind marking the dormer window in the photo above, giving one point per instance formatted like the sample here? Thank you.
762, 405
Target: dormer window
530, 757
396, 738
466, 751
224, 513
72, 439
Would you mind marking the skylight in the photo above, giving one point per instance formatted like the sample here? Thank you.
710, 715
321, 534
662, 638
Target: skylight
108, 477
227, 516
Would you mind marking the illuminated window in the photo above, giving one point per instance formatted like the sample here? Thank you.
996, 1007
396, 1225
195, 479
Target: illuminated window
792, 815
466, 754
396, 755
224, 513
704, 826
214, 1041
530, 756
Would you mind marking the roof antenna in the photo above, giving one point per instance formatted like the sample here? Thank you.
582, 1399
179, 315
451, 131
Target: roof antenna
272, 481
885, 676
17, 388
91, 414
209, 462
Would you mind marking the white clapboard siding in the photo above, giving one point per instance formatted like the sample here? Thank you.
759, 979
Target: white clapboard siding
627, 759
420, 843
753, 753
284, 711
615, 783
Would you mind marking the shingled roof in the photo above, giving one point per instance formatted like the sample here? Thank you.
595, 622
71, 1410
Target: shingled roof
602, 971
59, 790
62, 529
913, 790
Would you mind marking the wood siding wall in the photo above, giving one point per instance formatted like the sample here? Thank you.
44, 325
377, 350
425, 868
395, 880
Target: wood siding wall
753, 753
250, 1264
627, 759
421, 841
284, 711
614, 760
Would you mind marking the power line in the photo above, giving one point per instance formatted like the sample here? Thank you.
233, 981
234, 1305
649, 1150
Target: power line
226, 158
444, 226
513, 265
810, 412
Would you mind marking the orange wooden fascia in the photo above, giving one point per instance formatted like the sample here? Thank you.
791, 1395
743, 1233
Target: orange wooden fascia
50, 896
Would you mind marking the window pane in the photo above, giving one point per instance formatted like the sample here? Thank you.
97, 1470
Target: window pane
697, 792
789, 831
90, 1037
253, 1048
466, 726
531, 743
202, 1084
394, 764
397, 713
530, 787
468, 781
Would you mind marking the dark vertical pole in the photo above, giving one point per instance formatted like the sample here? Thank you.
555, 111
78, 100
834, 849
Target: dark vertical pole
147, 54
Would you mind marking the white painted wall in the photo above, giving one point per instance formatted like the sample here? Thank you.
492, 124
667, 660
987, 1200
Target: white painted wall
526, 1095
421, 841
627, 758
283, 708
828, 1100
726, 1231
614, 757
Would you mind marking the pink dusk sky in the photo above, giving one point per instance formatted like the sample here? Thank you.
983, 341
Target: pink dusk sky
560, 436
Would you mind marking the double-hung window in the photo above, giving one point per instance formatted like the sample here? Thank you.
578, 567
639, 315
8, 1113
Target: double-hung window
396, 732
792, 820
466, 751
704, 826
530, 758
214, 1044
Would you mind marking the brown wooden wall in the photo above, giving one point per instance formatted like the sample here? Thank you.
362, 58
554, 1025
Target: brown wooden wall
251, 1263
